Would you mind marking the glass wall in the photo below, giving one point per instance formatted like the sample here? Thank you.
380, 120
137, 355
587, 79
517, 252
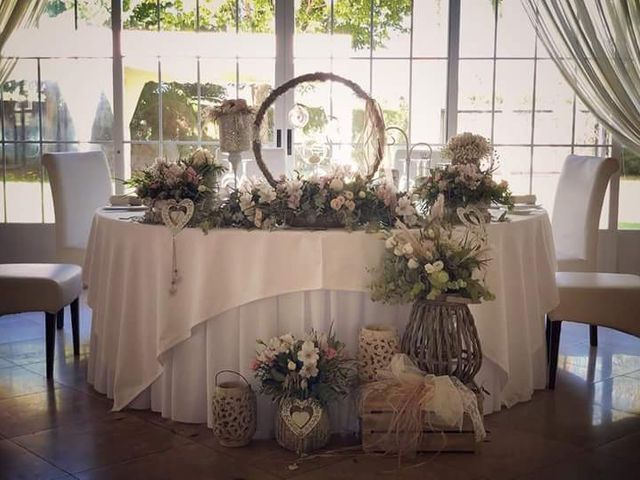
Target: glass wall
181, 58
511, 92
58, 98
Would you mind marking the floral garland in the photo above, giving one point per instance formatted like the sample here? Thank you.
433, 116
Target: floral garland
312, 367
431, 262
339, 199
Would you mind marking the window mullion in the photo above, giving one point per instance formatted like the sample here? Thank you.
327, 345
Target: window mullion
121, 165
453, 66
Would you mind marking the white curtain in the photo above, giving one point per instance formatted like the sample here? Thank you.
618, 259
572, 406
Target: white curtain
596, 46
15, 14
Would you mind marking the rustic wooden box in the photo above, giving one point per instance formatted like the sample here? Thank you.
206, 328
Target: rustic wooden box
376, 416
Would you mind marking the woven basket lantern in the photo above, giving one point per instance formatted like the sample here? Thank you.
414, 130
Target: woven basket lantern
441, 338
376, 346
234, 411
372, 106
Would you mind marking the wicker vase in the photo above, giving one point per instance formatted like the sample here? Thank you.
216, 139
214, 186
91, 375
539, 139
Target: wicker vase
302, 425
376, 346
441, 338
234, 410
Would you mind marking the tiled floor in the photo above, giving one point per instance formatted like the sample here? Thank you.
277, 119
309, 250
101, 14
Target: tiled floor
588, 428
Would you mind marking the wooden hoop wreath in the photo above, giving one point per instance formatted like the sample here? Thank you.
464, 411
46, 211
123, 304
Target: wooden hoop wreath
372, 105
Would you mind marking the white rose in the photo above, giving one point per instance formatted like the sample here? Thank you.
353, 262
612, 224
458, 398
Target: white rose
266, 194
429, 268
437, 266
390, 243
413, 264
351, 205
398, 252
348, 195
246, 201
407, 249
336, 185
291, 365
362, 194
202, 188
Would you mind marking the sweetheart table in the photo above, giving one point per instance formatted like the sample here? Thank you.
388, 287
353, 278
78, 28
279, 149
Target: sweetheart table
154, 349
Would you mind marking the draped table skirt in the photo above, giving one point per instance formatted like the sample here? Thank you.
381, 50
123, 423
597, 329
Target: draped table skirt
152, 349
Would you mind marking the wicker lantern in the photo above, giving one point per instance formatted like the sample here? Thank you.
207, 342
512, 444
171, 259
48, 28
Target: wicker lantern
235, 122
441, 338
376, 346
234, 410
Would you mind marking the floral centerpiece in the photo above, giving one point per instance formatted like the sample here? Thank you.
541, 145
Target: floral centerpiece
439, 270
468, 180
194, 178
303, 376
431, 263
339, 199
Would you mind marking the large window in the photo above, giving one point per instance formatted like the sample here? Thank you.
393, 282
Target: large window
180, 58
511, 92
58, 98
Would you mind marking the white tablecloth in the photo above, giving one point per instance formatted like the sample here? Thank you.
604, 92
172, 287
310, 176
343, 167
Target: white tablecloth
151, 349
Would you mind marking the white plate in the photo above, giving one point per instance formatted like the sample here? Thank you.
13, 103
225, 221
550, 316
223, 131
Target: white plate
526, 207
125, 208
524, 211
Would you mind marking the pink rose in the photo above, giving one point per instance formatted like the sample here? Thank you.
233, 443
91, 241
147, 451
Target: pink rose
330, 353
255, 364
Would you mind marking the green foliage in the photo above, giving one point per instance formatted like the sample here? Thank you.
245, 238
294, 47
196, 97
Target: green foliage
352, 17
355, 18
179, 110
630, 164
433, 262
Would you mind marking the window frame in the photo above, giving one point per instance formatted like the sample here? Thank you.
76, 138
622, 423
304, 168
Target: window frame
284, 70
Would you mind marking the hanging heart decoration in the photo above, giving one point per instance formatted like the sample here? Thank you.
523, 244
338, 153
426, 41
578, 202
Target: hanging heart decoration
176, 215
301, 416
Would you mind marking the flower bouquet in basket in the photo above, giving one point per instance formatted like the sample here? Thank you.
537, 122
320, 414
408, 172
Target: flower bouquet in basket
175, 185
439, 270
466, 181
303, 376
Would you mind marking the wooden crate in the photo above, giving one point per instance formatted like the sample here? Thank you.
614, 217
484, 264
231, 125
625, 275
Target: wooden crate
376, 417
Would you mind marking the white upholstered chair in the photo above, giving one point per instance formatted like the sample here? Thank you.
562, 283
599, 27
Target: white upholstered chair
597, 299
80, 183
576, 214
43, 287
576, 211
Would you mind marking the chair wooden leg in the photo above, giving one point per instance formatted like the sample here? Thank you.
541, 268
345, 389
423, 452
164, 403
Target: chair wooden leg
593, 335
75, 326
554, 347
60, 319
547, 334
50, 335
